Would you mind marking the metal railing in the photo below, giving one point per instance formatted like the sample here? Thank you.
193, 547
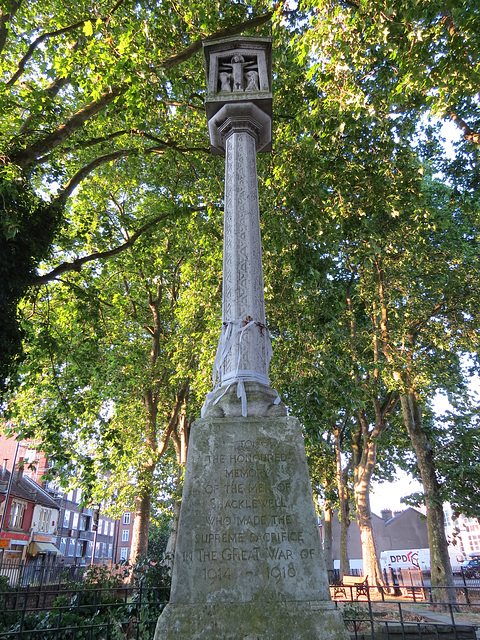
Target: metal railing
23, 574
64, 612
409, 611
123, 613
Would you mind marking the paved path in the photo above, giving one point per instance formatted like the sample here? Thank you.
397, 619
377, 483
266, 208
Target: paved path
441, 618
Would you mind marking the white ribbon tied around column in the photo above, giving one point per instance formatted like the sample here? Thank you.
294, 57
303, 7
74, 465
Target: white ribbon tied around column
228, 335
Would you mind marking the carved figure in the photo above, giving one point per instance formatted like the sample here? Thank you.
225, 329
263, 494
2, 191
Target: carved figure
252, 81
225, 81
238, 63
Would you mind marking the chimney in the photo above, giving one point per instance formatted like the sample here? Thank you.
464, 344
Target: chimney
386, 514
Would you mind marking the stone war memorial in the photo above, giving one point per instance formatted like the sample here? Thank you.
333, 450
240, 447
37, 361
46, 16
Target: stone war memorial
248, 563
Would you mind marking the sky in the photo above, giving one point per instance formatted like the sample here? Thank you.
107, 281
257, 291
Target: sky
387, 495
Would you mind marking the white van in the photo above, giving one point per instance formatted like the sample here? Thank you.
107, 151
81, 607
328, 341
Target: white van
416, 559
405, 559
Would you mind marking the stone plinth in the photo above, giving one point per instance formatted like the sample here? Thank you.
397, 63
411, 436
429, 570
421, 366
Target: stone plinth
248, 563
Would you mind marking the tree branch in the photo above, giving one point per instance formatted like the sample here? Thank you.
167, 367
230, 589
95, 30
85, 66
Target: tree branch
5, 18
53, 139
179, 400
50, 34
38, 41
51, 91
468, 133
449, 22
196, 46
87, 169
93, 141
77, 264
162, 144
82, 173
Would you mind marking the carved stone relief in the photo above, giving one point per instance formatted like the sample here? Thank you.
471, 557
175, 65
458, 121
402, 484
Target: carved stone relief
238, 73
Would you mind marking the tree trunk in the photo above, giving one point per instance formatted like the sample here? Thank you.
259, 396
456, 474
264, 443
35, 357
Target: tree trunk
344, 508
142, 515
344, 559
328, 537
371, 568
441, 569
180, 436
172, 539
365, 452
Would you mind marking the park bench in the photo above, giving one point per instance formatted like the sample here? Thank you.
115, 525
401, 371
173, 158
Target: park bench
350, 588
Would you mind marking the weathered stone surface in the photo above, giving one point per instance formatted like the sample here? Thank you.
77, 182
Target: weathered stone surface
244, 348
252, 621
249, 562
261, 401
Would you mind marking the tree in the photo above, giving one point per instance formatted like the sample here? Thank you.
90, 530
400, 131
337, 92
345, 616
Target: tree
104, 151
368, 256
89, 87
112, 354
380, 72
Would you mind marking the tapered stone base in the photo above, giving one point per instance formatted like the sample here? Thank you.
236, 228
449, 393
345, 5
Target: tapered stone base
249, 563
251, 621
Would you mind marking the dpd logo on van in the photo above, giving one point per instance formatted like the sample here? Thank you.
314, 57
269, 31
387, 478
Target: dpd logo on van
409, 558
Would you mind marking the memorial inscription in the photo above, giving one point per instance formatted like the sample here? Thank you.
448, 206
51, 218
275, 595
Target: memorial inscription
251, 530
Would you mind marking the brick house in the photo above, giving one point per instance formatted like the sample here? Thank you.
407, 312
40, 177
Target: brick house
73, 534
29, 518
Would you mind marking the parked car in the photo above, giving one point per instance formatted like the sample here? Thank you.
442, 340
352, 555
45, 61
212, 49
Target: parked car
471, 568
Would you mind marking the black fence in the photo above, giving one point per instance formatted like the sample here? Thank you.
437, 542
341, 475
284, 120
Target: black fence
404, 625
407, 611
23, 573
91, 612
65, 613
395, 576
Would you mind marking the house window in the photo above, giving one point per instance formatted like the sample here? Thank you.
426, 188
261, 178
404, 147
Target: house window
125, 533
29, 455
75, 521
66, 519
63, 545
126, 518
71, 547
84, 523
112, 525
44, 520
110, 551
16, 514
123, 553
